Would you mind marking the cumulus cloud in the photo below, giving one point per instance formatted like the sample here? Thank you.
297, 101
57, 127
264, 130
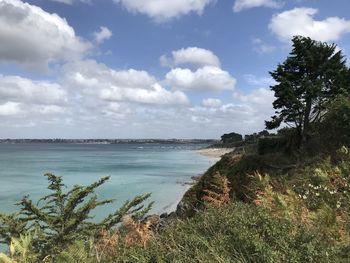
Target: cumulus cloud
211, 103
70, 2
33, 37
120, 85
23, 90
259, 97
261, 47
190, 56
247, 4
154, 95
208, 78
261, 82
102, 35
301, 21
161, 10
22, 97
10, 108
244, 115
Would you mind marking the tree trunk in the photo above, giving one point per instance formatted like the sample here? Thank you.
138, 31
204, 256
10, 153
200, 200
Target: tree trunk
306, 124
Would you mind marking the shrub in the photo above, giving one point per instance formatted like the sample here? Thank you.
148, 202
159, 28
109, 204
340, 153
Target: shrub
334, 130
60, 218
272, 145
235, 233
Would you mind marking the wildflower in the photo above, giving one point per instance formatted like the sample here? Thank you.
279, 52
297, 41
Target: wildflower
304, 197
338, 204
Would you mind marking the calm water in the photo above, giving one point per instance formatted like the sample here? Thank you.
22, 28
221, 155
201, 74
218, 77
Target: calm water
134, 169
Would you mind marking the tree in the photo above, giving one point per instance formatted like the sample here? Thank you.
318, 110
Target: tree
337, 117
61, 218
313, 74
231, 137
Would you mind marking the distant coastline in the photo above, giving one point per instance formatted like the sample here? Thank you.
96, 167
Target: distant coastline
111, 141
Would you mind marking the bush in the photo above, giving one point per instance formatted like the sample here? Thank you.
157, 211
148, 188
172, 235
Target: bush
334, 130
61, 218
234, 233
272, 144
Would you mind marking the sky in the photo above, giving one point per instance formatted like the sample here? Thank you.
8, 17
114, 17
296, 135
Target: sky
150, 69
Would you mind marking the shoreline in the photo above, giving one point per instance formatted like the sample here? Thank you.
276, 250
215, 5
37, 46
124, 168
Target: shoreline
214, 153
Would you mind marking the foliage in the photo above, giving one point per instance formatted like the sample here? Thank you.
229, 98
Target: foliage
337, 117
234, 233
76, 252
325, 183
218, 193
11, 226
231, 137
60, 218
21, 250
272, 144
312, 75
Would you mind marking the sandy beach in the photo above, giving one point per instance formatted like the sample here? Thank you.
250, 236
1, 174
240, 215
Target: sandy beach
214, 152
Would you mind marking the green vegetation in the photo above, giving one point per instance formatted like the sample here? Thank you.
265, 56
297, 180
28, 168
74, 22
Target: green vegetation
313, 75
231, 137
60, 218
276, 198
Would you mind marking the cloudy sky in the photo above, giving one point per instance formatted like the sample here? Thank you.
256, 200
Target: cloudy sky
149, 69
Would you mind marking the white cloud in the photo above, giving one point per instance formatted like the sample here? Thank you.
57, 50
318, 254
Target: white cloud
161, 10
154, 95
130, 85
300, 21
261, 47
260, 82
10, 108
208, 78
244, 115
70, 2
191, 55
28, 99
23, 90
259, 97
102, 35
211, 103
247, 4
32, 37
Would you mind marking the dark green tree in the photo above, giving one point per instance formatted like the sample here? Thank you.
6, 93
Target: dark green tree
231, 137
338, 118
60, 218
313, 74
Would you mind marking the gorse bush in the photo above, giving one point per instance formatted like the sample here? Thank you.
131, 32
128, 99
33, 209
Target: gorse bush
61, 218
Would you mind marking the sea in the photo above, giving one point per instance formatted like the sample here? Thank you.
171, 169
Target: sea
164, 170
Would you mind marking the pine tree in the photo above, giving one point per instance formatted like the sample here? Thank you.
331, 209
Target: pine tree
61, 218
313, 74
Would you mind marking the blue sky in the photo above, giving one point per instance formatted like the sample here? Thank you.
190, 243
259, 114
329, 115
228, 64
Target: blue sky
149, 69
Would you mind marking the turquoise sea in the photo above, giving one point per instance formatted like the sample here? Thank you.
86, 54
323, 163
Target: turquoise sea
160, 169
